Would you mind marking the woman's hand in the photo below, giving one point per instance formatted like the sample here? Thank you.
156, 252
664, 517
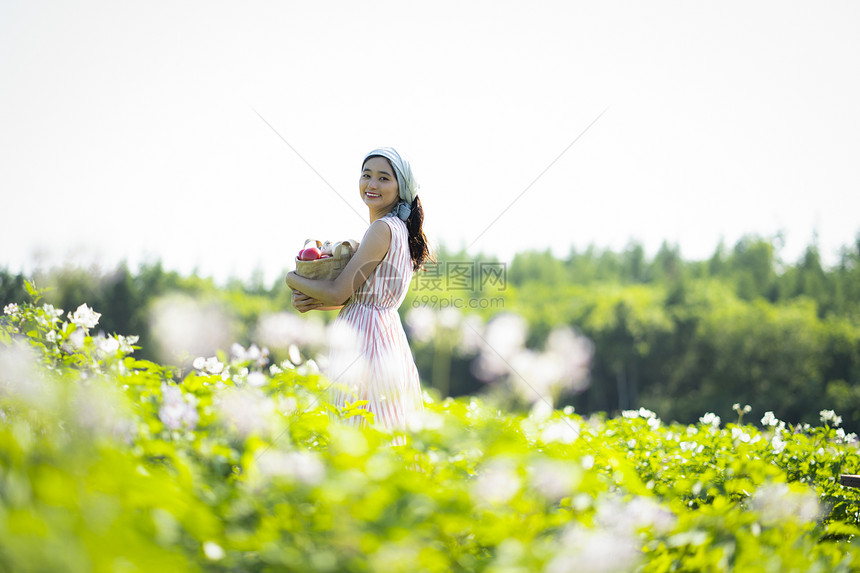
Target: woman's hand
303, 302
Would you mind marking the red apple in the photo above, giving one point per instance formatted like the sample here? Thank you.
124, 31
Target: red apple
309, 254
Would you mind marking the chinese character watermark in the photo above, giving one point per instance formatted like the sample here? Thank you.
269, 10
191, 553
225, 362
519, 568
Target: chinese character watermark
468, 282
462, 276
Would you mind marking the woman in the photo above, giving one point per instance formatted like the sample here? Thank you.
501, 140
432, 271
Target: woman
376, 365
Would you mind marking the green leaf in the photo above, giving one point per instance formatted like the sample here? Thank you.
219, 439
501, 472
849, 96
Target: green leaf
842, 528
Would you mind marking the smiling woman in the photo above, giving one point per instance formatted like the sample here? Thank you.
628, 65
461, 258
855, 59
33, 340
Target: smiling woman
370, 358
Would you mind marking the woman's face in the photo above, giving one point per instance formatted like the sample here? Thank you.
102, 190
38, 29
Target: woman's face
378, 184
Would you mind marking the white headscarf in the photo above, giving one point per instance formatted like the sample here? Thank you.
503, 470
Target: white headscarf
406, 184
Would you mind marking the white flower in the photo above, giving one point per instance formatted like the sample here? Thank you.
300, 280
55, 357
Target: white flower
543, 375
710, 419
554, 479
108, 346
421, 322
830, 416
100, 408
237, 351
294, 355
309, 367
213, 366
213, 551
769, 419
425, 421
305, 467
199, 363
53, 313
274, 370
625, 517
595, 550
778, 502
777, 443
646, 413
19, 375
284, 328
563, 431
504, 338
256, 379
449, 318
84, 317
496, 483
182, 326
845, 438
247, 410
287, 404
126, 343
76, 339
739, 434
11, 309
177, 410
253, 353
51, 336
471, 336
643, 413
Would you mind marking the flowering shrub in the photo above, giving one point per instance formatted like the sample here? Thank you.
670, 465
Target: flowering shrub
110, 463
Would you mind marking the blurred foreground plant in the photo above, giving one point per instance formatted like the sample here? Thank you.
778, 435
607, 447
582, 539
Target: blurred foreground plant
109, 463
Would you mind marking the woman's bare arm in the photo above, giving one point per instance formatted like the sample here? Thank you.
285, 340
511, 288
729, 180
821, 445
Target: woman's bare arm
373, 248
303, 303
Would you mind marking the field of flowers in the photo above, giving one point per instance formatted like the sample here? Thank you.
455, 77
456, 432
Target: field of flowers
111, 463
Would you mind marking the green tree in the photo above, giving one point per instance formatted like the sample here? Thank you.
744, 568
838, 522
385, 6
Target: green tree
752, 266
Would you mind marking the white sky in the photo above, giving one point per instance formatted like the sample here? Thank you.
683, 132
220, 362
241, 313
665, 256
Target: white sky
128, 130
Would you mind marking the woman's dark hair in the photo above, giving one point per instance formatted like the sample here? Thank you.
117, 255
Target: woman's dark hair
419, 247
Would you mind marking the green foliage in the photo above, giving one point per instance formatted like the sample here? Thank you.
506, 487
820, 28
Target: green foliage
127, 298
113, 463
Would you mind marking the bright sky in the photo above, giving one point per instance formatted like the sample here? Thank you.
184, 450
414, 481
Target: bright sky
130, 130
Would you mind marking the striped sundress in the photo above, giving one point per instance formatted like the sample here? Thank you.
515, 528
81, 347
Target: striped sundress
370, 357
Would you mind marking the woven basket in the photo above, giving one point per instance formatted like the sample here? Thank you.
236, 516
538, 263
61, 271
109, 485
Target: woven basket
329, 268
